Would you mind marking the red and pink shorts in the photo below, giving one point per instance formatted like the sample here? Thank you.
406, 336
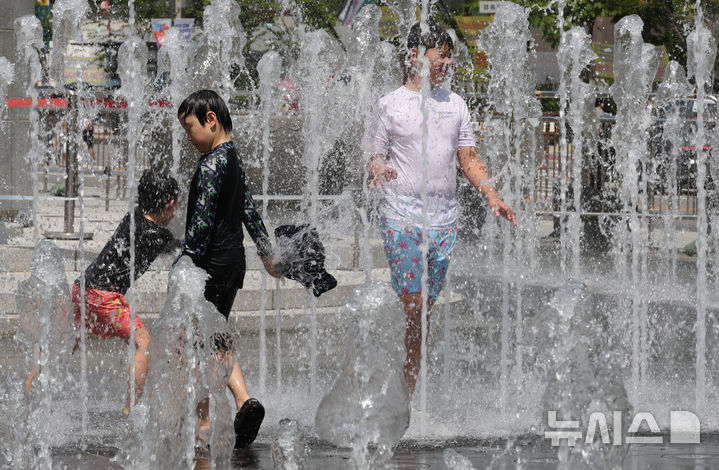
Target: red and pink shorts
107, 314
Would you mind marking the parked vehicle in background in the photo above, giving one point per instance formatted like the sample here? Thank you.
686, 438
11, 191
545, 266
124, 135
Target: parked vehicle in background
663, 144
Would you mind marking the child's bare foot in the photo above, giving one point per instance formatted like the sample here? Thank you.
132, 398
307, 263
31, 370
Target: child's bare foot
125, 412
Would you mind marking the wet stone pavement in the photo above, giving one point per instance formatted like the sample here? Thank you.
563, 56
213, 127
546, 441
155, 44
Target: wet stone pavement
534, 454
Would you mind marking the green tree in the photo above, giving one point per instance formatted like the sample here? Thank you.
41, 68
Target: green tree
144, 9
666, 22
254, 13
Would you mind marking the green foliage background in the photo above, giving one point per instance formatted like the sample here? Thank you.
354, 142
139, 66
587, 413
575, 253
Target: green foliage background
666, 22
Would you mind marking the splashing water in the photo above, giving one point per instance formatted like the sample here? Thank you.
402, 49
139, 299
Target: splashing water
584, 372
211, 61
46, 331
288, 447
456, 461
369, 400
369, 69
191, 356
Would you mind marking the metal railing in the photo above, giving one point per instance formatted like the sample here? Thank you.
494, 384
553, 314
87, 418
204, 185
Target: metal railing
600, 175
109, 140
599, 172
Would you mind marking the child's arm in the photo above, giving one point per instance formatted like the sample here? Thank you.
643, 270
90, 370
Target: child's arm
171, 245
376, 142
477, 174
256, 228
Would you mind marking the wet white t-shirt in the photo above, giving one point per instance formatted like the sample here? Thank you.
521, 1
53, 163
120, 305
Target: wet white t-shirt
395, 130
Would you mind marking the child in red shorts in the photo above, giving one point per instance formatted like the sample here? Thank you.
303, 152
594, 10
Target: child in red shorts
107, 279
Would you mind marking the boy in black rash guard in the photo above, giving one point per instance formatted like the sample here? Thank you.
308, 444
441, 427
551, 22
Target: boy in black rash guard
219, 202
107, 279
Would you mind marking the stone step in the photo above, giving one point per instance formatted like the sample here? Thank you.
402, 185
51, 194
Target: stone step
340, 253
293, 304
151, 290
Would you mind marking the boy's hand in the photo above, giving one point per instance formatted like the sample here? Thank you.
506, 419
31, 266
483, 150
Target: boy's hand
379, 172
499, 208
269, 262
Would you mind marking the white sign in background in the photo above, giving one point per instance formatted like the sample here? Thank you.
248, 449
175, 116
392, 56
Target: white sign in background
489, 7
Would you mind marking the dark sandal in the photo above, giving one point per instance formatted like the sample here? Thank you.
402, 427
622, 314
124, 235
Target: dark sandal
248, 421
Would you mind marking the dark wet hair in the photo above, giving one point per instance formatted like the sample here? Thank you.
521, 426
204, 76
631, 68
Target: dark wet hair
221, 342
435, 36
155, 190
202, 101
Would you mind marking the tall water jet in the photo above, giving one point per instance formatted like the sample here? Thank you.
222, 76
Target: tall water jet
191, 355
635, 66
7, 75
563, 149
173, 62
212, 60
701, 53
512, 99
316, 69
67, 20
28, 39
371, 64
584, 375
46, 330
373, 67
369, 400
407, 12
461, 57
667, 144
319, 60
575, 54
269, 68
132, 68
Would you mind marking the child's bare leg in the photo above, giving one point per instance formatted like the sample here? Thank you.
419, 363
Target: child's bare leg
413, 336
29, 381
31, 377
237, 386
142, 341
203, 413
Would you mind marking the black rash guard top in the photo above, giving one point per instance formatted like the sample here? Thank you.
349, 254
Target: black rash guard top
218, 204
110, 271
